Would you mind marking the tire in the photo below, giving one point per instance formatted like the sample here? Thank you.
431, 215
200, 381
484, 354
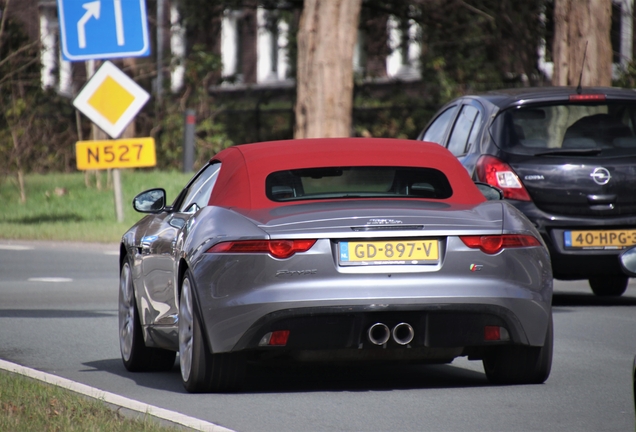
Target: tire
137, 357
518, 364
609, 286
202, 371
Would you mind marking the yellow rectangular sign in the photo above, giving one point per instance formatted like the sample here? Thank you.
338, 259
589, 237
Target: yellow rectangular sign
121, 153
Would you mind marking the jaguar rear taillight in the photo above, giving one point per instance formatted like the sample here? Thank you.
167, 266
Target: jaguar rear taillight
492, 244
499, 174
277, 248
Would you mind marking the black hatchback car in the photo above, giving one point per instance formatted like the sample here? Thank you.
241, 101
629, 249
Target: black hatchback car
565, 157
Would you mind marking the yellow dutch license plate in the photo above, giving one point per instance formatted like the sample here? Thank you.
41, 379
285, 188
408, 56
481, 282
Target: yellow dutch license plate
602, 239
379, 252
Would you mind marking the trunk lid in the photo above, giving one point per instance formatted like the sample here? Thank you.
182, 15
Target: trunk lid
378, 218
583, 186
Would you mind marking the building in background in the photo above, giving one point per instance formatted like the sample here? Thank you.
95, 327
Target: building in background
254, 45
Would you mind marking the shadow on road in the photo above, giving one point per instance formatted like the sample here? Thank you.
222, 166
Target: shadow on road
358, 378
170, 381
294, 377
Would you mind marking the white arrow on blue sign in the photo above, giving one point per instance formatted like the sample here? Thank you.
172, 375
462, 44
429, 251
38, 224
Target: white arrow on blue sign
103, 29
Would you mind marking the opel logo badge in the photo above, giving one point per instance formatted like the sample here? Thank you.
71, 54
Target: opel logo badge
601, 176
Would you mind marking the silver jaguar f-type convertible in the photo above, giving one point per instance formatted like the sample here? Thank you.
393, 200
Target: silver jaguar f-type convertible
333, 250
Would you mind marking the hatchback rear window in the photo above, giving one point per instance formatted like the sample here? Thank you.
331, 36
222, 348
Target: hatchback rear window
606, 127
357, 182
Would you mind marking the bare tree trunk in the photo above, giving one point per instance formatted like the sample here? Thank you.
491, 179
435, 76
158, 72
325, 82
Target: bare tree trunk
581, 23
3, 20
324, 90
21, 186
18, 163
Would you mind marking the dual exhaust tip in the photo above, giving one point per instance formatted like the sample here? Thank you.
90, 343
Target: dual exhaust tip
402, 333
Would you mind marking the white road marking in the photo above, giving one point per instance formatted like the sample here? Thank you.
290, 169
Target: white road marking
115, 399
14, 247
114, 252
50, 279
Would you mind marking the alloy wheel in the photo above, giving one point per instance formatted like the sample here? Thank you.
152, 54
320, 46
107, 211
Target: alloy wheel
186, 320
126, 312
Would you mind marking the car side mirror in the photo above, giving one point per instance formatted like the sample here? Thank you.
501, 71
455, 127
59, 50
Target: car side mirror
627, 259
490, 192
150, 201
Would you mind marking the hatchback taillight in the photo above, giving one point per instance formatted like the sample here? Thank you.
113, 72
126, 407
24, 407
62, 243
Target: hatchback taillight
276, 248
587, 97
499, 174
492, 244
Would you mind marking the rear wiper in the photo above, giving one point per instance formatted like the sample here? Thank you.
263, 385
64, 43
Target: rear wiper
566, 152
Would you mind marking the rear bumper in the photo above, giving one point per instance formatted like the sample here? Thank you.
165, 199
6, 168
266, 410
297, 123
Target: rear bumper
568, 264
574, 266
336, 324
434, 326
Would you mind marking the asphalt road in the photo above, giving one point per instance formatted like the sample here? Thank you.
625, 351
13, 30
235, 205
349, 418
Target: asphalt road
58, 314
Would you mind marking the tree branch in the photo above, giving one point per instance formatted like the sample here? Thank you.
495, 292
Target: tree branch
18, 51
477, 11
4, 19
9, 75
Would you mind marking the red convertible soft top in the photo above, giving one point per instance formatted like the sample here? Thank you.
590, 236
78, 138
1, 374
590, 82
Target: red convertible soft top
241, 182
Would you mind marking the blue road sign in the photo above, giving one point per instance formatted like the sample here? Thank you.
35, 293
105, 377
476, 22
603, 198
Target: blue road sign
103, 29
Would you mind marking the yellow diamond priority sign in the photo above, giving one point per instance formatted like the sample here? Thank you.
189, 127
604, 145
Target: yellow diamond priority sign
111, 99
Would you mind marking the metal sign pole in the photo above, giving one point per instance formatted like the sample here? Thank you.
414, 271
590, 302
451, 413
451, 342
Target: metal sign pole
188, 140
129, 132
97, 134
119, 209
160, 19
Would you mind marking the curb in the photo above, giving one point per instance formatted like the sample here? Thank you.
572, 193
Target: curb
114, 399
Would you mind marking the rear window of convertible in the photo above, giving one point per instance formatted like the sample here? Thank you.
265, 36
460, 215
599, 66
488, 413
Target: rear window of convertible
357, 182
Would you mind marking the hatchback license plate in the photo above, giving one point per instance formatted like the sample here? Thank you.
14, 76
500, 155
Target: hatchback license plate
379, 252
606, 239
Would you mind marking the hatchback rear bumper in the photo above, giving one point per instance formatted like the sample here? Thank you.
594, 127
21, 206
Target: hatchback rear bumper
573, 264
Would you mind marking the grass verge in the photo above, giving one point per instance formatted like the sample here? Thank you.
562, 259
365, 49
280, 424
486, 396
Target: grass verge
30, 405
71, 207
